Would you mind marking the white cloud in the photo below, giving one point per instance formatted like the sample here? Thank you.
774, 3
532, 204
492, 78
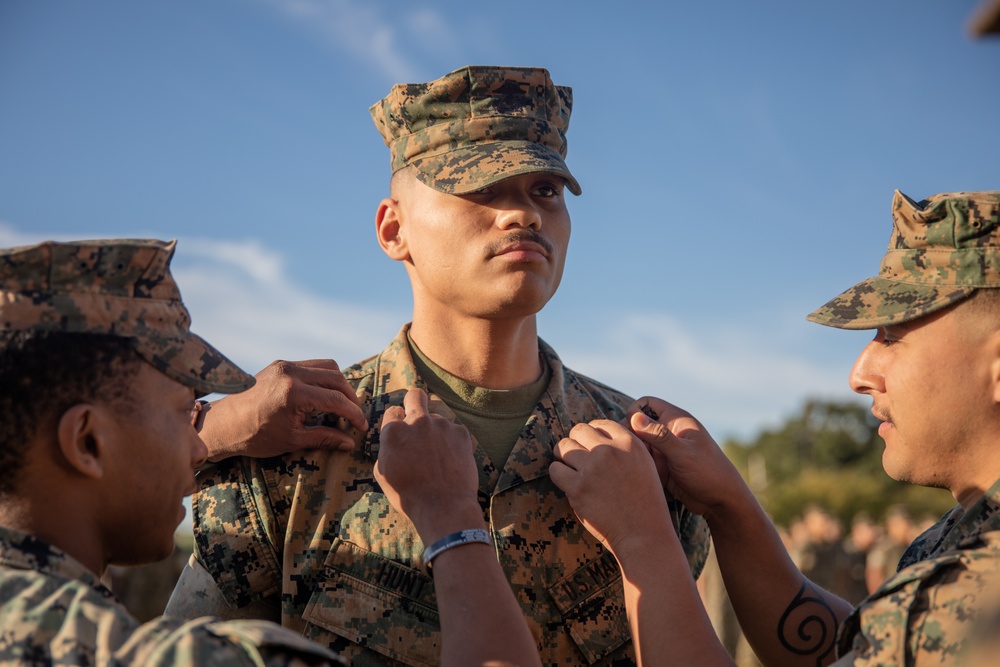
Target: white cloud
241, 300
361, 30
736, 381
10, 236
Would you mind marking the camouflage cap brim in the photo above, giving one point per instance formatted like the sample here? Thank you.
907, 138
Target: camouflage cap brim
941, 250
878, 302
474, 167
194, 363
119, 287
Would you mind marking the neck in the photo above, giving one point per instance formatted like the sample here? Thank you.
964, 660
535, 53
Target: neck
55, 519
494, 354
977, 468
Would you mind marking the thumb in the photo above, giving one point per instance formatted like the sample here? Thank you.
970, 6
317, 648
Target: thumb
653, 433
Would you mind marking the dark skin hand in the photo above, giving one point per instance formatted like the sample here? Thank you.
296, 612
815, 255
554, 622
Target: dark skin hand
281, 413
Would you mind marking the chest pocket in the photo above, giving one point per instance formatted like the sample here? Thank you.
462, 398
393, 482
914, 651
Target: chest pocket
377, 603
591, 600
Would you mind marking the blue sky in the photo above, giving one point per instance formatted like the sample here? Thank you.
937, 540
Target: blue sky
737, 158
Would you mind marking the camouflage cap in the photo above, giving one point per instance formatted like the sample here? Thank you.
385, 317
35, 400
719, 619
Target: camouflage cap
119, 287
942, 249
476, 126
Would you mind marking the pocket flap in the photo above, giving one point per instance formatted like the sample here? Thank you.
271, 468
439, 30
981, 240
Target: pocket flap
377, 603
591, 600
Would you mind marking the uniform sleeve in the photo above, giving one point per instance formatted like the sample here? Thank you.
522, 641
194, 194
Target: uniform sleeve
927, 614
233, 523
206, 641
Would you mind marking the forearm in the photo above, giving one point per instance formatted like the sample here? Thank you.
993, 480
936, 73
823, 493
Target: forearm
222, 437
787, 620
481, 622
668, 622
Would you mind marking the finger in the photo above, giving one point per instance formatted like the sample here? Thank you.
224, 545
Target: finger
610, 430
393, 414
584, 432
564, 477
415, 403
568, 450
600, 432
309, 399
322, 437
328, 377
328, 364
657, 409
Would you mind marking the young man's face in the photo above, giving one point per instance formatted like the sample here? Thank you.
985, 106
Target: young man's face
931, 385
495, 253
155, 452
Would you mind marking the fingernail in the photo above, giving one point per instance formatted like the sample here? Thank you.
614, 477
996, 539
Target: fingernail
642, 419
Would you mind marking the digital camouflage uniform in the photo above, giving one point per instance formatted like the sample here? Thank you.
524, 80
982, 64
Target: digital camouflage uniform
925, 613
53, 610
944, 599
314, 531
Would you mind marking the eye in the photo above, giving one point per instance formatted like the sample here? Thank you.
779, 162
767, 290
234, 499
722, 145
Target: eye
548, 189
888, 337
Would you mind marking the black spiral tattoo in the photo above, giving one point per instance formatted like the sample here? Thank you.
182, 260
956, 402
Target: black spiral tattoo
813, 622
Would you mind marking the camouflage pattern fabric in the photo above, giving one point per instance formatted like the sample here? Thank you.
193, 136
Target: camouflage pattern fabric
117, 286
53, 611
476, 126
942, 601
941, 250
314, 532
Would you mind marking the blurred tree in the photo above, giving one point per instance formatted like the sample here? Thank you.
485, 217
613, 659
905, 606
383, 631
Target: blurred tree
829, 454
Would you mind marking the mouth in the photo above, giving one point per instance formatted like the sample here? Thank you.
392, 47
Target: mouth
521, 246
886, 419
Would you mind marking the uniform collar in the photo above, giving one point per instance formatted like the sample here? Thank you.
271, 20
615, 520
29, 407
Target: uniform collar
27, 552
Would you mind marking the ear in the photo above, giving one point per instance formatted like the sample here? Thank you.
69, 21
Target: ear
388, 228
83, 439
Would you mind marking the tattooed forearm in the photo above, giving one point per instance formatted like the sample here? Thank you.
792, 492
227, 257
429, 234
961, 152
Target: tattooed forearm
808, 626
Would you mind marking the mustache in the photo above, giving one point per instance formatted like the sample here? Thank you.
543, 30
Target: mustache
882, 414
519, 236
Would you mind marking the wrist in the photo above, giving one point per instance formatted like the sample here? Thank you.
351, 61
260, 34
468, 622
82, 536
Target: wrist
457, 539
208, 430
735, 514
435, 523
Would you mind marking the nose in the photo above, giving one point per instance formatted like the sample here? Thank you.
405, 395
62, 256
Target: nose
866, 374
519, 210
199, 452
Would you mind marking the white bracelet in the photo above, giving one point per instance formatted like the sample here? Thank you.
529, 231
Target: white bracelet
467, 536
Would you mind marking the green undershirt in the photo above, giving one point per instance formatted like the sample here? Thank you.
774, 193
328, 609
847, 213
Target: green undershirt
494, 417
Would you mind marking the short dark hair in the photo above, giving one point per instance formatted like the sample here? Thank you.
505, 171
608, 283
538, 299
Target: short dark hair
987, 299
45, 373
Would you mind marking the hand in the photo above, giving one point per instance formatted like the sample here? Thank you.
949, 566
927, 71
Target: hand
275, 416
426, 469
692, 467
611, 481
